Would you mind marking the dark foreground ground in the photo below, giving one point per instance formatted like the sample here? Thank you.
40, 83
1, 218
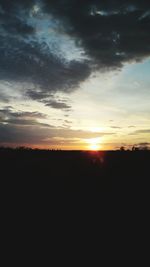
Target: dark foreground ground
75, 171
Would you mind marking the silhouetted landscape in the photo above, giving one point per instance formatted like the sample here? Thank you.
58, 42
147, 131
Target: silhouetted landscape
74, 171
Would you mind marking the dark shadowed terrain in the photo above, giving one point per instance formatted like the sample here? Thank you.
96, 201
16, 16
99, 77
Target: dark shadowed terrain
74, 171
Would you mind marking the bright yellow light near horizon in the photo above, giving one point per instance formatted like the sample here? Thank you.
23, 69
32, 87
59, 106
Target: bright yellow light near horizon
94, 147
94, 144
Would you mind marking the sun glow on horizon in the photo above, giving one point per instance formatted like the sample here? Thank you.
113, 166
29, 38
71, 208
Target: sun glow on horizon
94, 147
94, 144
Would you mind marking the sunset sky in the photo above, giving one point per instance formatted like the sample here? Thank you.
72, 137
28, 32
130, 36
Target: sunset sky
75, 74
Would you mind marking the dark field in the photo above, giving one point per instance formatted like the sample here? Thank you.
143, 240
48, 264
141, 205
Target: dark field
75, 171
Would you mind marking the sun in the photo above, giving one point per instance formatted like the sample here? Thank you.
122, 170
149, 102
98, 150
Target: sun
94, 147
94, 144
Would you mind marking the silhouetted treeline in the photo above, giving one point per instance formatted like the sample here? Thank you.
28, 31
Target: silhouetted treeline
74, 171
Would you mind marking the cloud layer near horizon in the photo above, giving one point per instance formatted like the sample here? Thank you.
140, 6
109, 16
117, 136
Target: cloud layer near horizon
25, 128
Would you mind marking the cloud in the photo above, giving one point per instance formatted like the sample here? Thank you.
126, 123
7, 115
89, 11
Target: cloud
8, 112
115, 127
37, 95
24, 128
21, 62
18, 127
67, 121
36, 56
57, 104
4, 98
15, 134
131, 126
15, 26
111, 32
55, 45
144, 144
144, 131
9, 117
48, 99
25, 134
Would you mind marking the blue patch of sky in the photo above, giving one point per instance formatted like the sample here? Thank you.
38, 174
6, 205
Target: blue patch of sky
138, 71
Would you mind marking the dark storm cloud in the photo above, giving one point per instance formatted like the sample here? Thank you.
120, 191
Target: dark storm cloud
9, 19
37, 95
111, 32
25, 62
15, 26
10, 6
26, 59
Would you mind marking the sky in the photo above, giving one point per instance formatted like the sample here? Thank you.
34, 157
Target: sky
75, 74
